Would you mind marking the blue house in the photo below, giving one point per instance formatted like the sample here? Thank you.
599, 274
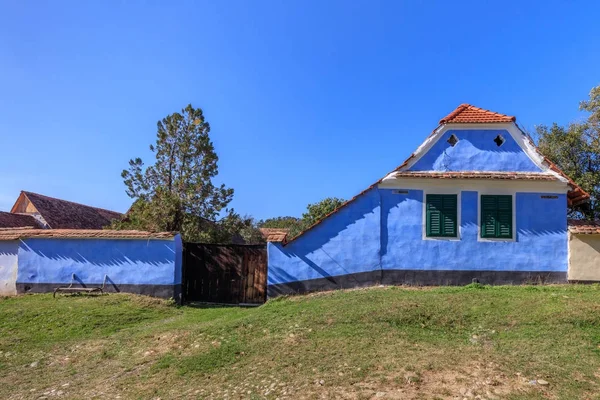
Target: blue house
476, 201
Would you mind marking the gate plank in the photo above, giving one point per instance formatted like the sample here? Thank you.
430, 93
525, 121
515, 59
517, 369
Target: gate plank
224, 273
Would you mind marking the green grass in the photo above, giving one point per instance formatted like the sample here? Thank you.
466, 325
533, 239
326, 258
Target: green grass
375, 343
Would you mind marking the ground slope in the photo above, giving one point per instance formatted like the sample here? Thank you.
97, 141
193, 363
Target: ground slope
502, 342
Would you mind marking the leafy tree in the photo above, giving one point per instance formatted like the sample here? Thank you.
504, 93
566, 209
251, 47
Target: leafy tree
575, 148
316, 211
238, 229
177, 192
279, 222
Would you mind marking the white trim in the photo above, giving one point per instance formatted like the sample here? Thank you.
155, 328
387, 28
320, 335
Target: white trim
512, 128
474, 185
514, 214
458, 193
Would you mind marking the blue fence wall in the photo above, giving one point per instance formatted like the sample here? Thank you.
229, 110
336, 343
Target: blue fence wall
378, 238
148, 266
8, 267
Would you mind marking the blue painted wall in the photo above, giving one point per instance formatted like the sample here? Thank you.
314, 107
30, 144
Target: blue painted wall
384, 230
131, 262
346, 242
475, 151
540, 245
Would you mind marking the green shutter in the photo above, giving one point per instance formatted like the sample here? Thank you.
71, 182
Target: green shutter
434, 215
504, 221
449, 215
496, 217
441, 210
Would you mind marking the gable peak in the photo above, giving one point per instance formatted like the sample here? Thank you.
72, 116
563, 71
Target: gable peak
469, 114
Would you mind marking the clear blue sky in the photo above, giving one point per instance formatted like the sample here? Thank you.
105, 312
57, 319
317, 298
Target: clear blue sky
306, 99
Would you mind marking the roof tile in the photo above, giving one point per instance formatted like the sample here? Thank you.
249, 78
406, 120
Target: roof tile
528, 176
20, 233
274, 234
468, 114
584, 227
10, 220
63, 214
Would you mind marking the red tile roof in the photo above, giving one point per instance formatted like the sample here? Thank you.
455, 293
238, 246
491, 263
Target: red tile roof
10, 220
20, 233
63, 214
468, 114
527, 176
584, 227
274, 234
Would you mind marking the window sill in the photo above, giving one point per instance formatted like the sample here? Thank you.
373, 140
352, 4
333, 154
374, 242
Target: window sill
442, 238
496, 239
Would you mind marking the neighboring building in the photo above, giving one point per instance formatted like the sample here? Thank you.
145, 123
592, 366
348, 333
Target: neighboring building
39, 211
476, 201
10, 220
584, 251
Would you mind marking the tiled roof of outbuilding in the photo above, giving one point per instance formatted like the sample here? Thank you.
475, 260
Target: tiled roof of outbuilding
63, 214
584, 227
20, 233
468, 114
274, 234
10, 220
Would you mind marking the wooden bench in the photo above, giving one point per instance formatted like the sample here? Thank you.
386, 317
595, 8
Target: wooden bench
71, 289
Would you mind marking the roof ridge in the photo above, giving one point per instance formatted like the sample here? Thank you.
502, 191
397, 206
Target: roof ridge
13, 234
457, 111
68, 201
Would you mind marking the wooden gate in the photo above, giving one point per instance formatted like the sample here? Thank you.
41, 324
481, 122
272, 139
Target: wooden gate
230, 274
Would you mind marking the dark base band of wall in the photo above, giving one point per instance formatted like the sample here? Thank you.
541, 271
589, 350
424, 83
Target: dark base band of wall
162, 291
416, 278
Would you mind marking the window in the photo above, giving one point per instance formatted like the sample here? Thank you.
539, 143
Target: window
441, 210
496, 217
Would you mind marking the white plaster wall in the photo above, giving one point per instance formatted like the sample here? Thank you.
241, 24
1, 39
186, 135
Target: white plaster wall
8, 267
584, 257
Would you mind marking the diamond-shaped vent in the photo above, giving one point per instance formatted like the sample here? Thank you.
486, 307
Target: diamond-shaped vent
499, 140
452, 140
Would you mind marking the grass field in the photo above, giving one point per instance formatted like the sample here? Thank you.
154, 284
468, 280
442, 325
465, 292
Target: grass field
525, 342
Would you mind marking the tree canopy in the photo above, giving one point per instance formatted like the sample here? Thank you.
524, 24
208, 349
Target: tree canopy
575, 148
177, 192
314, 212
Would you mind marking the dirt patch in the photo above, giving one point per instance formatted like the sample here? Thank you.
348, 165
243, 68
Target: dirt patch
475, 381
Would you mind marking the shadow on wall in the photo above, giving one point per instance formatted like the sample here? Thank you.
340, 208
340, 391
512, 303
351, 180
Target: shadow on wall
348, 218
476, 150
101, 252
345, 243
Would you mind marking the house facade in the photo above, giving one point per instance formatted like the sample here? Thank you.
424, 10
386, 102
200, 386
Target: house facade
476, 201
